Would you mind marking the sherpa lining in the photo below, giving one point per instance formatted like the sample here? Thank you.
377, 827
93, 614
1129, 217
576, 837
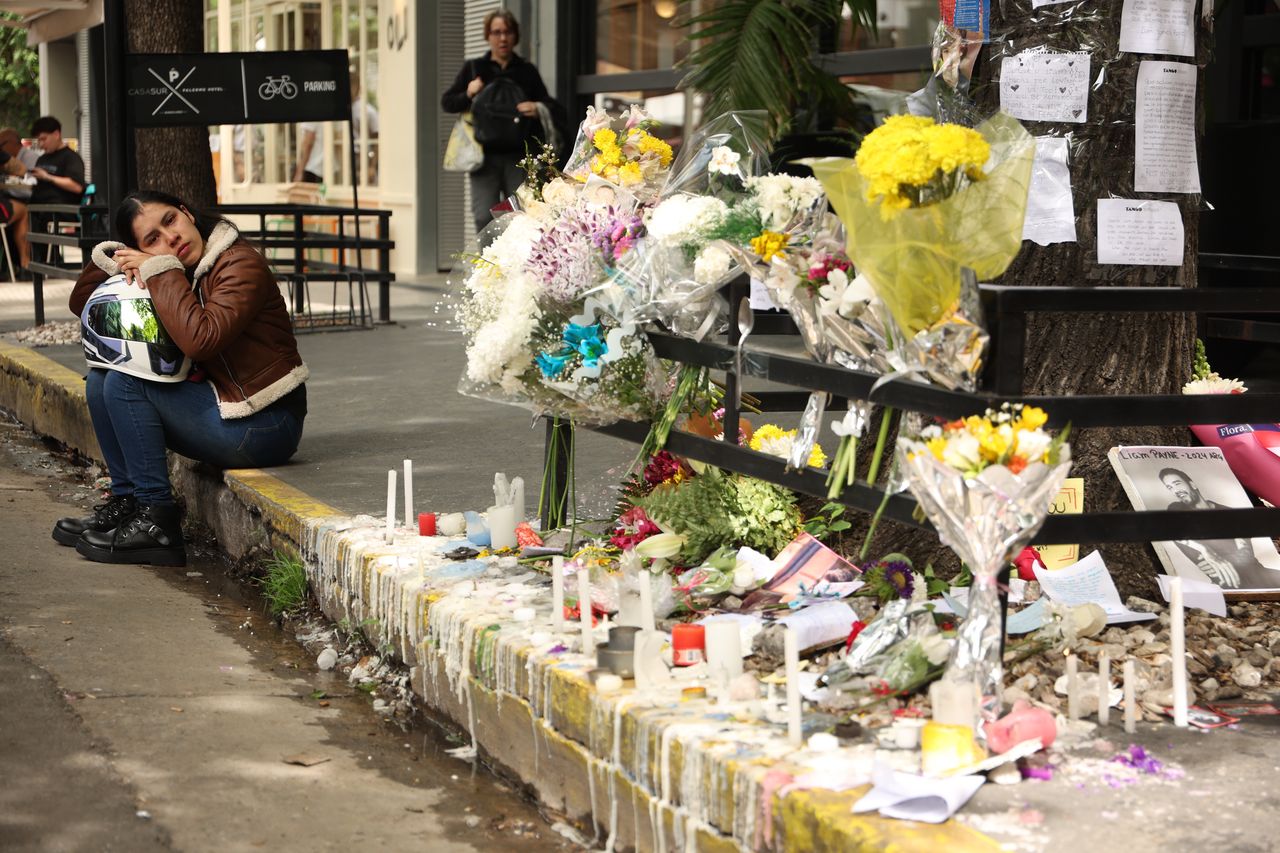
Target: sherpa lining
104, 261
222, 237
265, 397
158, 264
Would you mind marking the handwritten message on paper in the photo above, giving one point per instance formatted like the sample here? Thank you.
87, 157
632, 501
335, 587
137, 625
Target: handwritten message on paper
1050, 216
1141, 233
1088, 582
1158, 26
1039, 86
1165, 148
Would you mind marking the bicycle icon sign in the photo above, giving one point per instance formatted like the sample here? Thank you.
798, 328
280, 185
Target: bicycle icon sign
282, 86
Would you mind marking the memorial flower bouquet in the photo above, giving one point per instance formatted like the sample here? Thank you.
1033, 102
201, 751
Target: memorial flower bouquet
986, 483
930, 208
622, 151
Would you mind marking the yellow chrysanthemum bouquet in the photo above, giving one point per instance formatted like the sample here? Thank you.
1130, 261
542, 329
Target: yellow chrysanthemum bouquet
622, 151
923, 203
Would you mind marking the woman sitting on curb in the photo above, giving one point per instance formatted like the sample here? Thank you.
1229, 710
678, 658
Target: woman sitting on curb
243, 404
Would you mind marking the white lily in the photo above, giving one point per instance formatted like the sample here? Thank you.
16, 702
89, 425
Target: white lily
661, 546
724, 161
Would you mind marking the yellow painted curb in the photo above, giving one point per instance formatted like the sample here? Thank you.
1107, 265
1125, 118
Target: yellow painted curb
47, 397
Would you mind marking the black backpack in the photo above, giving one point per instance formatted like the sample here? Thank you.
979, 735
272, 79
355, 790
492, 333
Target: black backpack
498, 124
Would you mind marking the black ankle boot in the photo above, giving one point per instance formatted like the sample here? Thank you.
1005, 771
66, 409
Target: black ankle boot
106, 517
153, 535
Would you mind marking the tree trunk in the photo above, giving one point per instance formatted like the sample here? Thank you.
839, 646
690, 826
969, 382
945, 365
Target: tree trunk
1091, 353
175, 160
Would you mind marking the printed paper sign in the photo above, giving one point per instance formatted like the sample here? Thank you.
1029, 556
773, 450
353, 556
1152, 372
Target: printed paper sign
1069, 501
1158, 26
1165, 148
1140, 232
1039, 86
1050, 216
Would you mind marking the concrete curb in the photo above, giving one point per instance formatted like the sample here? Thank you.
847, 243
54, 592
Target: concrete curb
642, 777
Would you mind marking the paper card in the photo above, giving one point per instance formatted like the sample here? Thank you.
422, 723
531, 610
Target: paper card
908, 797
804, 564
1140, 232
1036, 85
1197, 594
1245, 709
1203, 718
1069, 501
1088, 582
1158, 26
1050, 215
1165, 146
760, 298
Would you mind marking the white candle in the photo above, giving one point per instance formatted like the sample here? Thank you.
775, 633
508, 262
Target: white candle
724, 651
1130, 700
517, 497
557, 592
646, 601
792, 649
502, 527
391, 504
408, 493
1104, 689
1073, 689
1178, 651
584, 613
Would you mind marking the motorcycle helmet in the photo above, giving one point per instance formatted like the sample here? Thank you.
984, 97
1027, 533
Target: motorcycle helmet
120, 331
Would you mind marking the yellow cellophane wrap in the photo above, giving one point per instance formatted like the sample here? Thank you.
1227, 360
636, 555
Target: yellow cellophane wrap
913, 259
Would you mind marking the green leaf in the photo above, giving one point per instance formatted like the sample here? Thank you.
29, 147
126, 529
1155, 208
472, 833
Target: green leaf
319, 694
367, 687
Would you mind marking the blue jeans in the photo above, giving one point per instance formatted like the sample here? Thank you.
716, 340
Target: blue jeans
135, 420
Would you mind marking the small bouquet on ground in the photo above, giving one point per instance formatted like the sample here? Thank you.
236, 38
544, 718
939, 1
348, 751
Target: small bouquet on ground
986, 483
930, 208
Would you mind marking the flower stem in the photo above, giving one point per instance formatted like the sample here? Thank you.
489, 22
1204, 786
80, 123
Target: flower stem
875, 520
885, 417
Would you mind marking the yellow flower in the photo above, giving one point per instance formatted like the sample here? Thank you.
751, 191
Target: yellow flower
629, 174
650, 144
776, 441
605, 138
937, 446
994, 445
769, 244
1031, 417
909, 161
817, 459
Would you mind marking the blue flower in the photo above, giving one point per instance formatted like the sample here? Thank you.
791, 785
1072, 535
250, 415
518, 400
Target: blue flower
552, 364
586, 341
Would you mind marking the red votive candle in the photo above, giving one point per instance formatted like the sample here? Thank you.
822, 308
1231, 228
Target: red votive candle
426, 524
688, 645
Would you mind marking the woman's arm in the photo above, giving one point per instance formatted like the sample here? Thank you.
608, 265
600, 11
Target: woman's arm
235, 291
96, 270
455, 99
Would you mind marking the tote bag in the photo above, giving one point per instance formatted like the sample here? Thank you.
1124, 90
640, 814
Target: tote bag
463, 153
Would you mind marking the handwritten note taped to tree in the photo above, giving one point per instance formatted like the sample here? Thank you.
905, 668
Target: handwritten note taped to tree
1140, 232
1039, 86
1165, 148
1158, 26
1050, 217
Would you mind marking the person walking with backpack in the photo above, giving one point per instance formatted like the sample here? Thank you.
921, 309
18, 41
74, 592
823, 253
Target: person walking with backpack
503, 92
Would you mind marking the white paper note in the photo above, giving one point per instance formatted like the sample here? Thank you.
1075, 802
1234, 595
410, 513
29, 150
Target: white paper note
1050, 215
1039, 86
1140, 232
1158, 26
1088, 582
908, 797
760, 298
1198, 594
820, 624
1165, 147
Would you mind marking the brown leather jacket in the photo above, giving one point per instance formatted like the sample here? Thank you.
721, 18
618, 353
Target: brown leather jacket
229, 317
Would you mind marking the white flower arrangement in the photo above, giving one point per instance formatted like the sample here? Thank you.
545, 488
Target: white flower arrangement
781, 199
685, 219
1212, 383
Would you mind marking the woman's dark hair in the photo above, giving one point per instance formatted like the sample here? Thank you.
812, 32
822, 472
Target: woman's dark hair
507, 18
132, 206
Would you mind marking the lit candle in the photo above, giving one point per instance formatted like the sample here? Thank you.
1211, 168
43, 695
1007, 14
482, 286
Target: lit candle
408, 493
1073, 689
792, 649
391, 504
646, 601
1104, 689
1178, 650
557, 592
584, 613
1130, 700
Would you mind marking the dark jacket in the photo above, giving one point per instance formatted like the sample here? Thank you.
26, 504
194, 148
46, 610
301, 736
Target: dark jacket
229, 316
524, 73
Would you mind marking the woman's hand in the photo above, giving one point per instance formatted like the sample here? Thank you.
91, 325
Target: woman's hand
129, 261
474, 87
528, 108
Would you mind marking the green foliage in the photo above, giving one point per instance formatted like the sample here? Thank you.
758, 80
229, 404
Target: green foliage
715, 509
759, 54
827, 522
19, 77
1200, 368
285, 584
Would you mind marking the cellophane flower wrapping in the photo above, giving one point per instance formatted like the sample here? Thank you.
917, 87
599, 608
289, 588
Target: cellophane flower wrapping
621, 150
985, 518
